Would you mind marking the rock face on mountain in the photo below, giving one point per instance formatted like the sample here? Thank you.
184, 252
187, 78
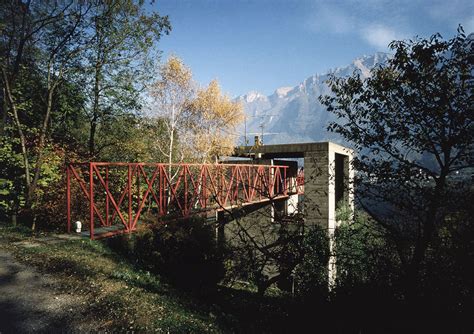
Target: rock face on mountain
294, 114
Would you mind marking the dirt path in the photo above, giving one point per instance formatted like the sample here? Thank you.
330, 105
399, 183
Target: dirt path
28, 302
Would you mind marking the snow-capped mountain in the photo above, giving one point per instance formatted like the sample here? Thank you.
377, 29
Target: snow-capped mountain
294, 114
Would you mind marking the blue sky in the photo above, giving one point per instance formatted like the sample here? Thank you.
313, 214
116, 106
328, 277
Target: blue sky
262, 45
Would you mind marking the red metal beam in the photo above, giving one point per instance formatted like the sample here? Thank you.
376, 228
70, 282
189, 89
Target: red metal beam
194, 188
68, 198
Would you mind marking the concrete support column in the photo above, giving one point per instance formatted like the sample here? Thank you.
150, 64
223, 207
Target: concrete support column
328, 177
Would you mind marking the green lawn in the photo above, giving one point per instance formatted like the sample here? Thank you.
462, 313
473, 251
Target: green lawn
120, 297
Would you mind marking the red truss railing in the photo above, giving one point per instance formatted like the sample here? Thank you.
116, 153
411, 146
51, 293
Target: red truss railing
121, 192
300, 181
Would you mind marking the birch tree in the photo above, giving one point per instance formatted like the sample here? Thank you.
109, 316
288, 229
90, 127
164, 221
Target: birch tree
172, 94
200, 121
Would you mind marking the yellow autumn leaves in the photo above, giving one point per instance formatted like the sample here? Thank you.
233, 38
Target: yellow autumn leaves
216, 119
200, 123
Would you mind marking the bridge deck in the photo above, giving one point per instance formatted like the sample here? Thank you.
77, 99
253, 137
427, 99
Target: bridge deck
117, 194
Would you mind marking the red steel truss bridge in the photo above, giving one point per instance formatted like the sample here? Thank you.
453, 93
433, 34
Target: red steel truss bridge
112, 196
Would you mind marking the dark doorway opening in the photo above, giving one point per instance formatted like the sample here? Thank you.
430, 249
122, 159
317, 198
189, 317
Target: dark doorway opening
339, 178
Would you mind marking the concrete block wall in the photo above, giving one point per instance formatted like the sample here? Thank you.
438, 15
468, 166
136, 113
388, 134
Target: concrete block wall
320, 184
320, 191
316, 187
328, 177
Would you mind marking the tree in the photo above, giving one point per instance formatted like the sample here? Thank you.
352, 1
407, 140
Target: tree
202, 120
46, 38
215, 118
412, 124
266, 247
62, 62
171, 95
118, 63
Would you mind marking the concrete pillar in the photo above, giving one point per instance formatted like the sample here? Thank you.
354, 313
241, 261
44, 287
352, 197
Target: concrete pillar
327, 173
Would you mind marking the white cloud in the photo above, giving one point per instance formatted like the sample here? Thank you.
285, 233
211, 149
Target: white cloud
454, 12
353, 16
327, 17
379, 22
379, 35
468, 25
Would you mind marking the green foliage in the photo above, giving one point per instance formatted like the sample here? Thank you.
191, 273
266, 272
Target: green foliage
365, 256
343, 212
68, 119
412, 123
11, 190
184, 251
51, 192
129, 138
311, 275
75, 73
117, 65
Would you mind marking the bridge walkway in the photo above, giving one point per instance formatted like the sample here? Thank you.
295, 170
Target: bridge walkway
113, 197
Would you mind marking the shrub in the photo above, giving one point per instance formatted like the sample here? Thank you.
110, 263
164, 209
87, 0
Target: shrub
183, 251
311, 275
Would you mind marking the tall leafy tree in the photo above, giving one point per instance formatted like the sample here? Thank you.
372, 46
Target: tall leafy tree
412, 122
61, 61
46, 38
215, 117
118, 64
171, 96
203, 120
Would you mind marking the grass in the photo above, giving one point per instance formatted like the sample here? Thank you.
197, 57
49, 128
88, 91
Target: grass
117, 296
120, 297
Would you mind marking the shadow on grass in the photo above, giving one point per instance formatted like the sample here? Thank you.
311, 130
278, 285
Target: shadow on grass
362, 309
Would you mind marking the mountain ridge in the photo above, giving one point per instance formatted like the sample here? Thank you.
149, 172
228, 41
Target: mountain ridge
294, 114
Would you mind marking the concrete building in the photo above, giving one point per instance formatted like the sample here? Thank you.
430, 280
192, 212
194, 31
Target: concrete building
328, 179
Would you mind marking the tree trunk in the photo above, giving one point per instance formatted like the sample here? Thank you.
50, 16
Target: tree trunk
170, 170
95, 108
92, 132
429, 227
17, 122
170, 153
13, 219
31, 197
4, 108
